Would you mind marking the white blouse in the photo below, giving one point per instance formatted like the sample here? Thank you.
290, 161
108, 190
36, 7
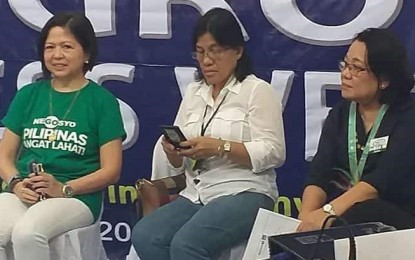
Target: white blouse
250, 114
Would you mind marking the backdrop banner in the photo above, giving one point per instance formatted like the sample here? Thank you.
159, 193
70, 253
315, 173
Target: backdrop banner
145, 61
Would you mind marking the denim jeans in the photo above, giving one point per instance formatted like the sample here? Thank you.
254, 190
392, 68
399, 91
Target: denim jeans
186, 230
30, 228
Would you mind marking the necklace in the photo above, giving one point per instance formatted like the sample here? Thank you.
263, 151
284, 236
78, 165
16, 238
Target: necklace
52, 137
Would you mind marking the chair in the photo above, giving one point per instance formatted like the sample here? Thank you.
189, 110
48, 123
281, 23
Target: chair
78, 244
161, 169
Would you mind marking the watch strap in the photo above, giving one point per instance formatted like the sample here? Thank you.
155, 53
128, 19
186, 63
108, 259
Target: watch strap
12, 181
220, 148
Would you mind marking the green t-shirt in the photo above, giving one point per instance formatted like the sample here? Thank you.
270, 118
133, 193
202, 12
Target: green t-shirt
64, 131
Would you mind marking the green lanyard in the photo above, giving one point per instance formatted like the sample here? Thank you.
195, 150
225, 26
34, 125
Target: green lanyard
357, 169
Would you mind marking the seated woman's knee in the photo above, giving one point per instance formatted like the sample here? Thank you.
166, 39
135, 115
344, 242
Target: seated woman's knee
144, 236
25, 233
137, 237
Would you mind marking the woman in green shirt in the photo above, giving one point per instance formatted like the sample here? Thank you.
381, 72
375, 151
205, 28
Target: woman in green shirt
70, 129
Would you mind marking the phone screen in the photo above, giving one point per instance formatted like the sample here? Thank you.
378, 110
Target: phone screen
173, 135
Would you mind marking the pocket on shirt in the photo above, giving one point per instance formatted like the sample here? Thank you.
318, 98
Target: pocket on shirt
191, 128
229, 125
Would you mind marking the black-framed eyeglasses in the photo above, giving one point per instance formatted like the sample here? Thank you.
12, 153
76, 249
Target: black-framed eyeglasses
353, 68
213, 53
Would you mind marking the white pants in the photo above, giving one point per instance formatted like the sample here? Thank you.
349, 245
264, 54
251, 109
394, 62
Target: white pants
29, 228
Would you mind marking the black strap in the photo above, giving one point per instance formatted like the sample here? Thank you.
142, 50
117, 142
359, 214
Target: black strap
203, 127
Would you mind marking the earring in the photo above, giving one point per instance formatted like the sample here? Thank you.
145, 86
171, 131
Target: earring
87, 61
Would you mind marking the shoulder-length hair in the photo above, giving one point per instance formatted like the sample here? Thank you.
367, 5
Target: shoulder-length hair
225, 29
388, 60
82, 30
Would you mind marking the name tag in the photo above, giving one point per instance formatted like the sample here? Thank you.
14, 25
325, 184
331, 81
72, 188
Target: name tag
378, 144
189, 163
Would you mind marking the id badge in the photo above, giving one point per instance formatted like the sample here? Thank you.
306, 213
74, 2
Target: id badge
195, 165
377, 145
189, 163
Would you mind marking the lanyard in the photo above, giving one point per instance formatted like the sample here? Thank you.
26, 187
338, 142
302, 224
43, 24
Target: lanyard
203, 127
355, 168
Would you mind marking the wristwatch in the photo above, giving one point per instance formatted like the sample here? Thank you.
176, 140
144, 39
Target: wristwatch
223, 148
12, 181
227, 146
328, 208
67, 191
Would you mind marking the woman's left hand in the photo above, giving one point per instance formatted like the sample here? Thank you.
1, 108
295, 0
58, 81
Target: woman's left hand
45, 183
201, 147
313, 221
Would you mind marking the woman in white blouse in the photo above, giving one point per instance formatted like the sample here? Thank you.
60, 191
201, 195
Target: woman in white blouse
233, 122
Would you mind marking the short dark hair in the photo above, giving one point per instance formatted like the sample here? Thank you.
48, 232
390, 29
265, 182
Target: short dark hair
388, 60
225, 29
82, 30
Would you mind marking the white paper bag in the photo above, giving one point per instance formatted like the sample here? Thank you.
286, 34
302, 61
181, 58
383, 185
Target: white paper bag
381, 246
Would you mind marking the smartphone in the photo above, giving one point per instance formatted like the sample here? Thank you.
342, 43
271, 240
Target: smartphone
174, 135
36, 167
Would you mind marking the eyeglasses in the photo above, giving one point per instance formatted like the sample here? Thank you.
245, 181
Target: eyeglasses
213, 53
353, 69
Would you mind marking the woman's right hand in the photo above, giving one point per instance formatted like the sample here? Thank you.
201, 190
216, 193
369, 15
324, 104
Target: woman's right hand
172, 153
313, 220
168, 148
24, 193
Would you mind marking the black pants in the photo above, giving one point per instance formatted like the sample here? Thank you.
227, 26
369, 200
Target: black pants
376, 210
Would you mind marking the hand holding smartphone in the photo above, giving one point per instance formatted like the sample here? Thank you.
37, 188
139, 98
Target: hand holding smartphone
174, 135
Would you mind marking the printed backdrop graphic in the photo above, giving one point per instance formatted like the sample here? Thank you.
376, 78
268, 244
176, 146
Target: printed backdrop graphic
145, 61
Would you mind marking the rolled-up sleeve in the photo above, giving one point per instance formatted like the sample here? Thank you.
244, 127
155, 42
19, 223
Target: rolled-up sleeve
267, 146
